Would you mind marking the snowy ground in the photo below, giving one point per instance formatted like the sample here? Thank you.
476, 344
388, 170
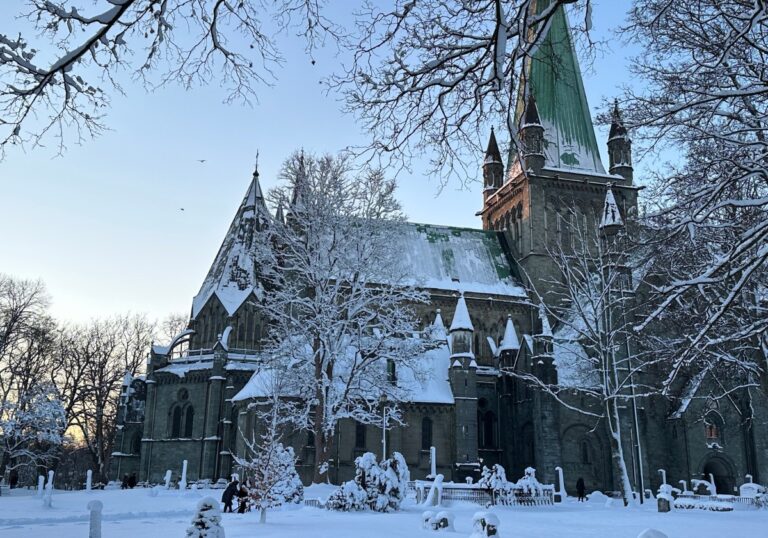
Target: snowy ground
132, 513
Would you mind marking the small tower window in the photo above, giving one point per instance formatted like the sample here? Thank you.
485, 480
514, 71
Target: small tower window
586, 452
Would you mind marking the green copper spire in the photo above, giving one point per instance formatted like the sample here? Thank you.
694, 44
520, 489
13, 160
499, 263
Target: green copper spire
554, 79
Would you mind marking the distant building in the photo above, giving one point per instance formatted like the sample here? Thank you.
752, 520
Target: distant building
193, 402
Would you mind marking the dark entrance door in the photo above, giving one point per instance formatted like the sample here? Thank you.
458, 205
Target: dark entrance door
721, 470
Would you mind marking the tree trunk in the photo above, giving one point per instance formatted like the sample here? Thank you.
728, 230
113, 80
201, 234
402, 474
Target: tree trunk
617, 451
263, 515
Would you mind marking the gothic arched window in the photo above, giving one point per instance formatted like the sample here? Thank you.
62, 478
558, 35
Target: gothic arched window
487, 427
426, 433
189, 418
176, 422
586, 452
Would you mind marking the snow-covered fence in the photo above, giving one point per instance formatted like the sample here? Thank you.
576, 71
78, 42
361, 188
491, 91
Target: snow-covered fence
475, 493
700, 500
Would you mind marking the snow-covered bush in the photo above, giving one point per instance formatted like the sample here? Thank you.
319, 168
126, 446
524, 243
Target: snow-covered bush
687, 503
426, 519
750, 489
350, 496
381, 486
275, 480
494, 479
528, 483
207, 521
443, 520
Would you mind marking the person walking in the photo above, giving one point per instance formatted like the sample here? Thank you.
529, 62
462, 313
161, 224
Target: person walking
228, 496
580, 489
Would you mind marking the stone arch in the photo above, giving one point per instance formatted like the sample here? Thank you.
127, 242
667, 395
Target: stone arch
584, 456
722, 469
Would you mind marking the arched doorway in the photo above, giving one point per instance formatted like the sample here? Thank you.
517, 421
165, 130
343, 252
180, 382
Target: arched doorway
722, 472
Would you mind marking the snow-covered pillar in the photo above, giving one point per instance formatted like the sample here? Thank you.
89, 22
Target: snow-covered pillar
47, 498
663, 476
40, 485
748, 477
95, 508
432, 462
212, 420
88, 480
168, 479
561, 483
712, 487
183, 481
684, 484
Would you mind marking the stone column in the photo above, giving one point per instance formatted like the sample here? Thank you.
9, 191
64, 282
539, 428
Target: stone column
546, 410
211, 438
147, 441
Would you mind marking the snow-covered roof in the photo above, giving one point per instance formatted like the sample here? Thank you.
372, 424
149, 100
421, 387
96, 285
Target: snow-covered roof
232, 277
461, 320
426, 384
456, 259
611, 215
510, 341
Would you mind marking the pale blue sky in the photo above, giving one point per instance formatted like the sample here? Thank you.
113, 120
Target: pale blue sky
101, 224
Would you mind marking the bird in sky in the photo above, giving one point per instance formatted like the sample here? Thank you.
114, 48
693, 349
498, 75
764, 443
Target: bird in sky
181, 209
201, 161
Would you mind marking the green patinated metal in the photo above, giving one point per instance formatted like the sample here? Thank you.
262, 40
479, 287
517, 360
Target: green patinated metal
554, 78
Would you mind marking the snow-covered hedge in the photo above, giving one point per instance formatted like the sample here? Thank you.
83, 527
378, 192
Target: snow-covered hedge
376, 486
505, 492
686, 503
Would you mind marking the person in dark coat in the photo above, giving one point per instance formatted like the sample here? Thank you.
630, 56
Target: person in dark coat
124, 484
580, 489
228, 495
132, 481
242, 499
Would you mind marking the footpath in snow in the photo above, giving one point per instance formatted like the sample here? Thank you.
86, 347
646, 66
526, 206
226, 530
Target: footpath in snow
167, 515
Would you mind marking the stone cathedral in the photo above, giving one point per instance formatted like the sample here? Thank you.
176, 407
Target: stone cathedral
194, 398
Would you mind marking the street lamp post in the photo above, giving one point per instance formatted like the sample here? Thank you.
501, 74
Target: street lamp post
383, 402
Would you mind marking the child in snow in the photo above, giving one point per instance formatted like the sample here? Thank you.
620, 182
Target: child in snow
242, 499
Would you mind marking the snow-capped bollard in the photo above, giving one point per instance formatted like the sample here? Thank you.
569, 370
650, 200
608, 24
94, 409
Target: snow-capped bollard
432, 462
651, 533
168, 479
183, 481
663, 476
484, 524
40, 485
88, 480
443, 521
426, 519
94, 530
206, 523
47, 497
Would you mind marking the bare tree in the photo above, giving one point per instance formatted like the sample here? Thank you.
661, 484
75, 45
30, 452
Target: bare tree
706, 93
338, 297
601, 367
430, 76
170, 326
95, 360
50, 87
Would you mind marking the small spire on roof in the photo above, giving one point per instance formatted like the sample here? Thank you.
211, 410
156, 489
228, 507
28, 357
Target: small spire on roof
437, 329
617, 124
510, 341
492, 154
531, 116
279, 216
611, 217
461, 320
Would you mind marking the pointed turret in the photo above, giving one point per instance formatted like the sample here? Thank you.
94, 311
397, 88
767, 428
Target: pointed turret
552, 78
279, 216
619, 147
493, 168
546, 328
510, 341
461, 332
437, 329
531, 136
610, 220
232, 276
